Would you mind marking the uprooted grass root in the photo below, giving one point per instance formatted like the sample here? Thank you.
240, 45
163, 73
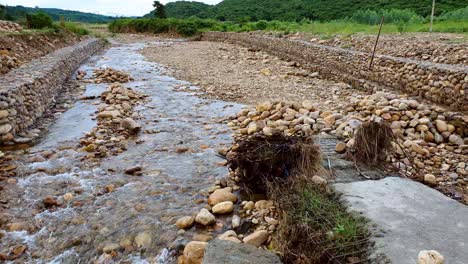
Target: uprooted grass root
315, 226
262, 159
373, 141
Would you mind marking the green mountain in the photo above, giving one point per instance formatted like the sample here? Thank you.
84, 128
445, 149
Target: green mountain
19, 12
233, 10
184, 9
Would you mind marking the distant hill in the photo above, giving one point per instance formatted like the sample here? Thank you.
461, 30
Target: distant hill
185, 9
299, 9
18, 13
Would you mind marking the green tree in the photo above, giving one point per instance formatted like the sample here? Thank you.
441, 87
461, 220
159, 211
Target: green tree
159, 10
2, 12
38, 20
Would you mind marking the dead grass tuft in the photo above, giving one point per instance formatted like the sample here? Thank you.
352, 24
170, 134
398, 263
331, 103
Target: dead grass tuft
262, 159
314, 225
373, 141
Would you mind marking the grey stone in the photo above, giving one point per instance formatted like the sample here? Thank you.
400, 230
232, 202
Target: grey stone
412, 217
227, 252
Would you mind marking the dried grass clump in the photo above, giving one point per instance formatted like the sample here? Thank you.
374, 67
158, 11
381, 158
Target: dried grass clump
314, 225
316, 228
373, 142
262, 159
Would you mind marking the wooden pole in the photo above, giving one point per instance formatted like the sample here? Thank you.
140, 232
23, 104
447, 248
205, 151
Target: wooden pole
376, 42
432, 15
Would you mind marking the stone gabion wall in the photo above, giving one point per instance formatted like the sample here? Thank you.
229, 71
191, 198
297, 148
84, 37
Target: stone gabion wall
26, 92
439, 83
7, 26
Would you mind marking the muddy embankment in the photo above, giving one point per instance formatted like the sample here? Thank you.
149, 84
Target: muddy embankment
26, 92
438, 83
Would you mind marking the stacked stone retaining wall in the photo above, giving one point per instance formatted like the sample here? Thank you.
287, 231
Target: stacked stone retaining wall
439, 83
26, 92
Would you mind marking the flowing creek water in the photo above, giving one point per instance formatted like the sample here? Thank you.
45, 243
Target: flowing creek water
142, 208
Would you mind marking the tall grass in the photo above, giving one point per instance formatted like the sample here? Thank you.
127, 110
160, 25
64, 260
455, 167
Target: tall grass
73, 27
393, 16
456, 15
396, 21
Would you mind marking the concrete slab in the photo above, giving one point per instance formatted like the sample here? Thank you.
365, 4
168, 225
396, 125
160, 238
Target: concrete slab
227, 252
410, 217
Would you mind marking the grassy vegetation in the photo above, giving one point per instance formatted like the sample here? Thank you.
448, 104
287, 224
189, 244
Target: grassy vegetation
74, 27
316, 227
188, 27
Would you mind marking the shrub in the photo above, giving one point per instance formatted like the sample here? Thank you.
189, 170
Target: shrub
74, 27
39, 20
261, 25
393, 16
187, 29
457, 15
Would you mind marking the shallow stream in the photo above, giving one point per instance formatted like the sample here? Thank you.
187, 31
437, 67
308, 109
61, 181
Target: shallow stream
146, 206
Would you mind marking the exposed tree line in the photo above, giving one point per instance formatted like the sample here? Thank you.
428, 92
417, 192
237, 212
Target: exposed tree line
296, 10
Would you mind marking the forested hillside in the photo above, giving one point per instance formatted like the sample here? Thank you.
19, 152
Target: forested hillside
299, 9
19, 12
185, 9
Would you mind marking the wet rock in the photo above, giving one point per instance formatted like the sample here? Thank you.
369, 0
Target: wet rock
204, 217
430, 257
257, 238
18, 250
222, 195
250, 205
130, 125
143, 240
109, 114
194, 252
110, 247
202, 237
236, 221
90, 148
223, 208
185, 222
50, 201
133, 170
68, 197
340, 147
182, 150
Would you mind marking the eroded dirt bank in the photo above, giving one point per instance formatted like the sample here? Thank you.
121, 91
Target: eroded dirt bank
19, 48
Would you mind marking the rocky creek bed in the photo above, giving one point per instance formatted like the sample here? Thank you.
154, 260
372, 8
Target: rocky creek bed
64, 204
428, 154
134, 171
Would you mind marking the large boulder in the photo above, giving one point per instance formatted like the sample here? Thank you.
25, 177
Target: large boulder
222, 195
194, 252
430, 257
204, 217
257, 238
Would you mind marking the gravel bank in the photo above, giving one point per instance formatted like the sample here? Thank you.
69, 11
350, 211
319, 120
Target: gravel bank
233, 73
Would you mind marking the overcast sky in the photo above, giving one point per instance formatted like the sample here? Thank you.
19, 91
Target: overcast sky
107, 7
